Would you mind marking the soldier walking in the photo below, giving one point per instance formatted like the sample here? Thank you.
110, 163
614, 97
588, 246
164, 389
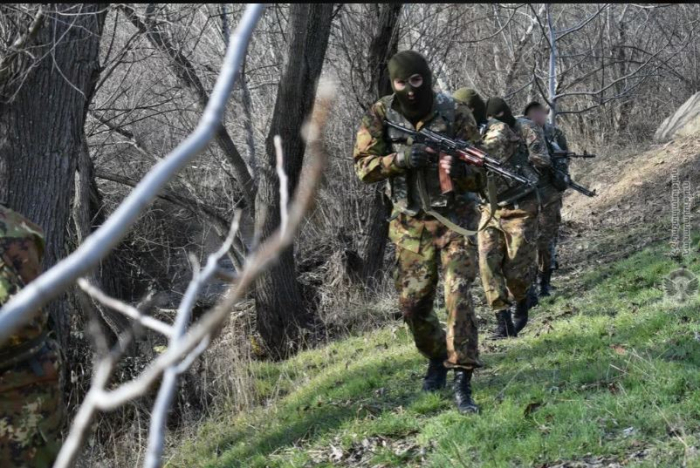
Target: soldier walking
423, 240
550, 214
508, 236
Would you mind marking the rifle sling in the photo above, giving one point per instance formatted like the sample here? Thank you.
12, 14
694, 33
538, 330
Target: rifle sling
425, 205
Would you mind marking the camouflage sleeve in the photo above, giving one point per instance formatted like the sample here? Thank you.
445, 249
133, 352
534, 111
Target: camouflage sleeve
466, 128
372, 154
500, 142
534, 139
21, 249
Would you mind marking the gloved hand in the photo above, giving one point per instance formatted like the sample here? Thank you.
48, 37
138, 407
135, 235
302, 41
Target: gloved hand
415, 157
560, 180
459, 169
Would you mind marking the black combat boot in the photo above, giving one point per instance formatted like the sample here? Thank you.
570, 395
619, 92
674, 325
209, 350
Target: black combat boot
436, 377
544, 283
520, 316
504, 327
463, 392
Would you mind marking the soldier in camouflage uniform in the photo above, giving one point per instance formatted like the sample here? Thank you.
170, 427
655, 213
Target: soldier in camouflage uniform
423, 242
31, 406
550, 215
508, 239
475, 103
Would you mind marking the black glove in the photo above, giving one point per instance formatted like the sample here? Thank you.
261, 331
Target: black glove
560, 180
459, 169
416, 156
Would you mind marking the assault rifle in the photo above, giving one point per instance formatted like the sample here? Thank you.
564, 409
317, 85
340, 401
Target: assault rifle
570, 183
460, 149
559, 154
571, 154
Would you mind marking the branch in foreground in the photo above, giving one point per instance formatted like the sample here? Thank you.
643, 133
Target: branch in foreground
156, 437
21, 308
183, 349
210, 323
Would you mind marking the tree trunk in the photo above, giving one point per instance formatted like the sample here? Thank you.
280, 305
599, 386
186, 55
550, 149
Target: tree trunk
41, 128
552, 87
376, 226
281, 311
89, 214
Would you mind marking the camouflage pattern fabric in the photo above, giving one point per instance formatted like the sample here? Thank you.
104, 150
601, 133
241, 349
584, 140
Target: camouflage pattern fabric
375, 157
533, 138
548, 225
503, 144
31, 407
507, 253
31, 411
508, 244
422, 245
21, 247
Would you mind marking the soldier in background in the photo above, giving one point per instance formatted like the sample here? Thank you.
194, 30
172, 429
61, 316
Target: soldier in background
508, 244
475, 103
550, 215
421, 216
31, 405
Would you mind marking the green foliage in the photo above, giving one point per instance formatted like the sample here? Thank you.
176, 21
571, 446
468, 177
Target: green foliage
606, 372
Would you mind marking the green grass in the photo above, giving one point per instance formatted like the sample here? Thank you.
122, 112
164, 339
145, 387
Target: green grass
606, 372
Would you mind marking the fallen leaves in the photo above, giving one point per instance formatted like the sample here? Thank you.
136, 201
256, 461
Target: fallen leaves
361, 453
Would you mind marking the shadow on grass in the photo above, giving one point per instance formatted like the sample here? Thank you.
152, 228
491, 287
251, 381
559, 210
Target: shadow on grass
321, 407
586, 360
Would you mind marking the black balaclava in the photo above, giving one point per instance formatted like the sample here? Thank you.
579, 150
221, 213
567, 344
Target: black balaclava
473, 101
495, 106
402, 66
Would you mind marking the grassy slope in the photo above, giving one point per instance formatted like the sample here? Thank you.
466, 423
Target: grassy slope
606, 372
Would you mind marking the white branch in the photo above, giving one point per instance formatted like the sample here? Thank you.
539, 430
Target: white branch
22, 307
126, 309
162, 404
284, 184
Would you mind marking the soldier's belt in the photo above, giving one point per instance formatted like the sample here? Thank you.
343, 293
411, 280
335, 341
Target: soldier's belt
22, 352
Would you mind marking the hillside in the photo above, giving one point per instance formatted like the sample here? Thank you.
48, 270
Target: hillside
606, 374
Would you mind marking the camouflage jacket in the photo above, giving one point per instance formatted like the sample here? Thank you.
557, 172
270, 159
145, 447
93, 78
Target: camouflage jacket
21, 250
502, 143
375, 154
533, 142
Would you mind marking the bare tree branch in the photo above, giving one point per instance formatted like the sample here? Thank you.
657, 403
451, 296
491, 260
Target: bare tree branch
21, 308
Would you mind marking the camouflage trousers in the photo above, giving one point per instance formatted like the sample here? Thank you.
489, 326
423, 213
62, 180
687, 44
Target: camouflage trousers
548, 222
507, 253
31, 411
422, 246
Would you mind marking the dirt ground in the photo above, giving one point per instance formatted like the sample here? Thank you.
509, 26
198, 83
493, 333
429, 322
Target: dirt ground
633, 206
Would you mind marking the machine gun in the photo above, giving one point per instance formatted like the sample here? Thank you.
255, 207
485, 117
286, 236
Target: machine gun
460, 149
